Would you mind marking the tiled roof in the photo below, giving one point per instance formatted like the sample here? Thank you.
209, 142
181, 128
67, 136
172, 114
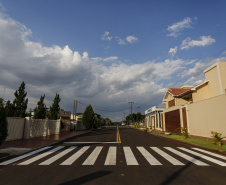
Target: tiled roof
177, 91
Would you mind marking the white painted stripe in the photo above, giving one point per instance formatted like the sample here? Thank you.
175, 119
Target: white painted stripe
111, 156
56, 157
150, 158
29, 161
210, 153
130, 158
166, 156
93, 156
24, 156
88, 142
204, 156
74, 157
189, 158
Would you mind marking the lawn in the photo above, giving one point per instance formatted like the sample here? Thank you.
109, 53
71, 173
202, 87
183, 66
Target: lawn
198, 142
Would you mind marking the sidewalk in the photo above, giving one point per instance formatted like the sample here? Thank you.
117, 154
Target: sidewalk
20, 146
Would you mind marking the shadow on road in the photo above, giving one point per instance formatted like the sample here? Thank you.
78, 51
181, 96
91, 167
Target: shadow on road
87, 178
177, 173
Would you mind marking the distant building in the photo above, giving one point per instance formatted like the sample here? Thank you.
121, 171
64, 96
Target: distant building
65, 117
153, 117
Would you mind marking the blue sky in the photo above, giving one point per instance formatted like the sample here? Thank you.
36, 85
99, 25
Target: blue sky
108, 53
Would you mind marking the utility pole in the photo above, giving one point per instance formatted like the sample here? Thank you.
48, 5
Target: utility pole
74, 111
75, 108
131, 107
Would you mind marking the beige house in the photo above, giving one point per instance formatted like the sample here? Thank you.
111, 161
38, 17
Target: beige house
200, 109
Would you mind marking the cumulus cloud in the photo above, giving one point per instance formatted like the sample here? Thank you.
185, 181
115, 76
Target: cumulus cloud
204, 41
176, 28
131, 39
173, 51
74, 75
106, 36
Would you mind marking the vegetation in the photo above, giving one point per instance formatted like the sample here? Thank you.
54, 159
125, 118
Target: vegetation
134, 118
88, 118
107, 121
217, 138
40, 110
3, 123
9, 109
198, 142
55, 108
184, 132
20, 102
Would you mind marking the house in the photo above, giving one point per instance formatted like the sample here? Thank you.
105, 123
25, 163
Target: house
76, 122
199, 109
65, 120
153, 117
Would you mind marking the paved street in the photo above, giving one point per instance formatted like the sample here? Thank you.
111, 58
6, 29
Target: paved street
96, 158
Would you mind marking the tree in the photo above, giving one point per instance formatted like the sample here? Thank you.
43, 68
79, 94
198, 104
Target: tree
88, 118
108, 121
9, 109
98, 121
40, 110
55, 108
20, 101
3, 123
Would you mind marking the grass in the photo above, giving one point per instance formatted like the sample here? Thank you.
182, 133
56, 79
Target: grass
198, 142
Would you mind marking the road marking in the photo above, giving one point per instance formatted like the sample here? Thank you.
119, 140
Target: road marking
29, 161
111, 156
89, 142
150, 158
118, 136
93, 156
169, 158
56, 157
24, 156
204, 157
189, 158
130, 158
74, 157
210, 153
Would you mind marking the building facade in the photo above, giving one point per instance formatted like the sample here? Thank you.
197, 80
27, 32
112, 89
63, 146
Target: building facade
153, 118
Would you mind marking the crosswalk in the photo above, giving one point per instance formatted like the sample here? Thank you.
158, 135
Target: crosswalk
154, 156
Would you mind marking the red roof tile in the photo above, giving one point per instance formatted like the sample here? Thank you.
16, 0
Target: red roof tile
177, 91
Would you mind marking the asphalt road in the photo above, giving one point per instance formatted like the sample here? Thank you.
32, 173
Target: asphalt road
95, 158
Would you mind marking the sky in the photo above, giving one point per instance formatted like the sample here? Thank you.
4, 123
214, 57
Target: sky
107, 53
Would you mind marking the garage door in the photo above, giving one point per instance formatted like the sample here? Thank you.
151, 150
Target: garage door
172, 121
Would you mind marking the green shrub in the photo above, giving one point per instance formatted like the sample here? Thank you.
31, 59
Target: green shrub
184, 132
217, 138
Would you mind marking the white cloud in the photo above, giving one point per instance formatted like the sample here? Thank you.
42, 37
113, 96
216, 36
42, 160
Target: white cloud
204, 41
131, 39
176, 28
173, 51
121, 42
110, 58
55, 69
106, 36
